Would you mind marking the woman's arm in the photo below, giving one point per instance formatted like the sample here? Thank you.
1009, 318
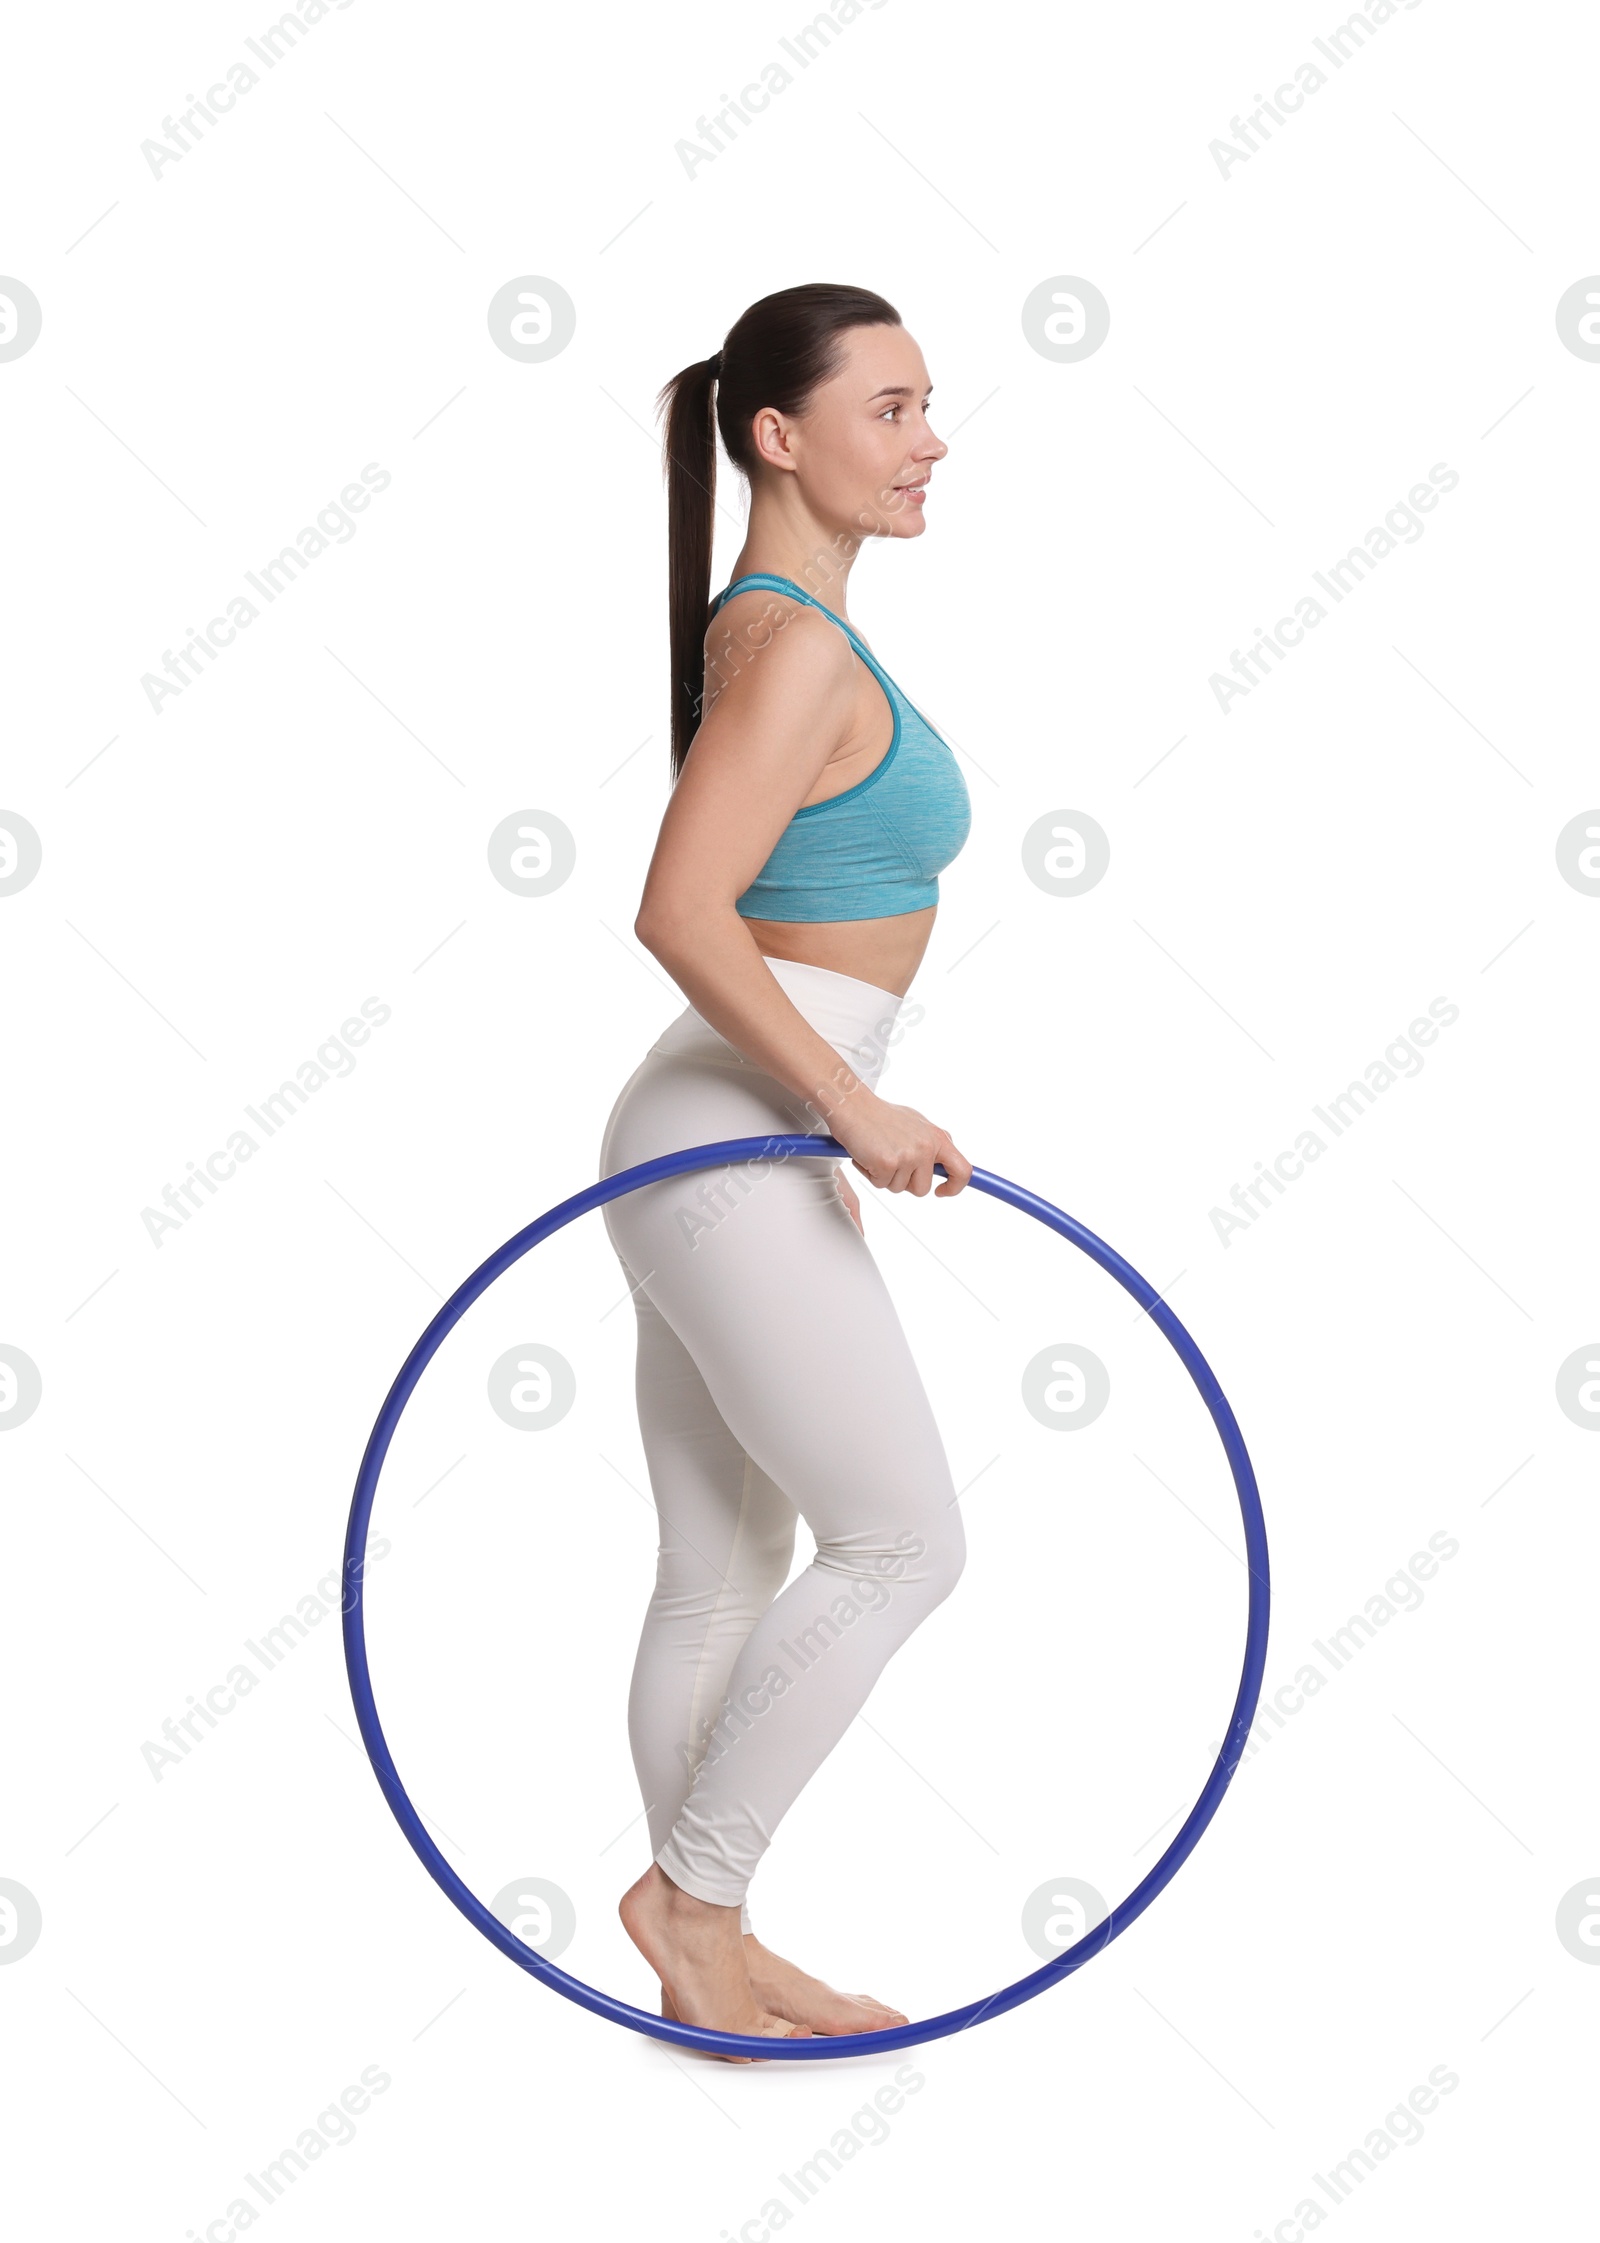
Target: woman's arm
757, 755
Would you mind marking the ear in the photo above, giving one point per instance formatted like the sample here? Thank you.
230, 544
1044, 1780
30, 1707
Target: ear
771, 433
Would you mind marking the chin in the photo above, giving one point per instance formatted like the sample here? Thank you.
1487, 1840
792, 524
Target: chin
904, 520
888, 519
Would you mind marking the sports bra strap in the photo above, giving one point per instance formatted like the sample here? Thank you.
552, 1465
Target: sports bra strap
787, 584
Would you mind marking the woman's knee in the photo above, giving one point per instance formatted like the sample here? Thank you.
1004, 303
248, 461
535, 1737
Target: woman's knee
690, 1585
943, 1555
765, 1555
921, 1562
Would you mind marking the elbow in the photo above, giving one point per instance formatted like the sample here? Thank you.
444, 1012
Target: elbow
661, 931
672, 931
649, 931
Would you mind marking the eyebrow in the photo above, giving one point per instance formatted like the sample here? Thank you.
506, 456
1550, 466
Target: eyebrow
902, 391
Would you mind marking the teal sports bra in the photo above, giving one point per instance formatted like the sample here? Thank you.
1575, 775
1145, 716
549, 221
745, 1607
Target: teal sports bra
876, 849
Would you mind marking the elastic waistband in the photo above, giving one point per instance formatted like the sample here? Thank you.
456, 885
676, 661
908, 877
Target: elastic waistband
856, 1017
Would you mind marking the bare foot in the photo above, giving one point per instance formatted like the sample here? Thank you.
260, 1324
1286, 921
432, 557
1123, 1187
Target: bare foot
788, 1991
697, 1952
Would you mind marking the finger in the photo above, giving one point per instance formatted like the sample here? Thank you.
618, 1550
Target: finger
958, 1171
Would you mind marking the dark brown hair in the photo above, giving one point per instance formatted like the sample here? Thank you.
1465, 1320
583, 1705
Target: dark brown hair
775, 354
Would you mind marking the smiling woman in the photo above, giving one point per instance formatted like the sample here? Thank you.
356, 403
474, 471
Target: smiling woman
791, 895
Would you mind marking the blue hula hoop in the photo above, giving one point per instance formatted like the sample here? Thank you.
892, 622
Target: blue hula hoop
844, 2044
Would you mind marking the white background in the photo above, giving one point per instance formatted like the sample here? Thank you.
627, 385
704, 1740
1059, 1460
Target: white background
1292, 347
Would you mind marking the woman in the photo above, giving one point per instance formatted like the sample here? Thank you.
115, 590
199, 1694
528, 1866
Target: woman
791, 896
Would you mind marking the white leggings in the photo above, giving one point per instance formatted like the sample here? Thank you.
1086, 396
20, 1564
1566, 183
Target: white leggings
773, 1378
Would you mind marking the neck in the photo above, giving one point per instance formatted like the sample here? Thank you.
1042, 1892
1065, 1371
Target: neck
784, 538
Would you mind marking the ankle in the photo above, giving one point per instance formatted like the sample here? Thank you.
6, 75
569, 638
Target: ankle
686, 1908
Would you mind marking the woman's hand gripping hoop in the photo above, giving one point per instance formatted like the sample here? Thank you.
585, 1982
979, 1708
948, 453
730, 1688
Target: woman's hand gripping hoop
846, 2044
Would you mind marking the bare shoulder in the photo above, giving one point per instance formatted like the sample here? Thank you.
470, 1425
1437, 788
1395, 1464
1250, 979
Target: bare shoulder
774, 648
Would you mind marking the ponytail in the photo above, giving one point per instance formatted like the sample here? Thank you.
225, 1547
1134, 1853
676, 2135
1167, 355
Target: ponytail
775, 354
691, 471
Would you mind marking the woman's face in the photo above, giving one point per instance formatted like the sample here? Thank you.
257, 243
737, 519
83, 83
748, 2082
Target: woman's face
863, 450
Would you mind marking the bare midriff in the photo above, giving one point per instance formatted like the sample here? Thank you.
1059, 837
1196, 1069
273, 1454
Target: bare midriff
886, 952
